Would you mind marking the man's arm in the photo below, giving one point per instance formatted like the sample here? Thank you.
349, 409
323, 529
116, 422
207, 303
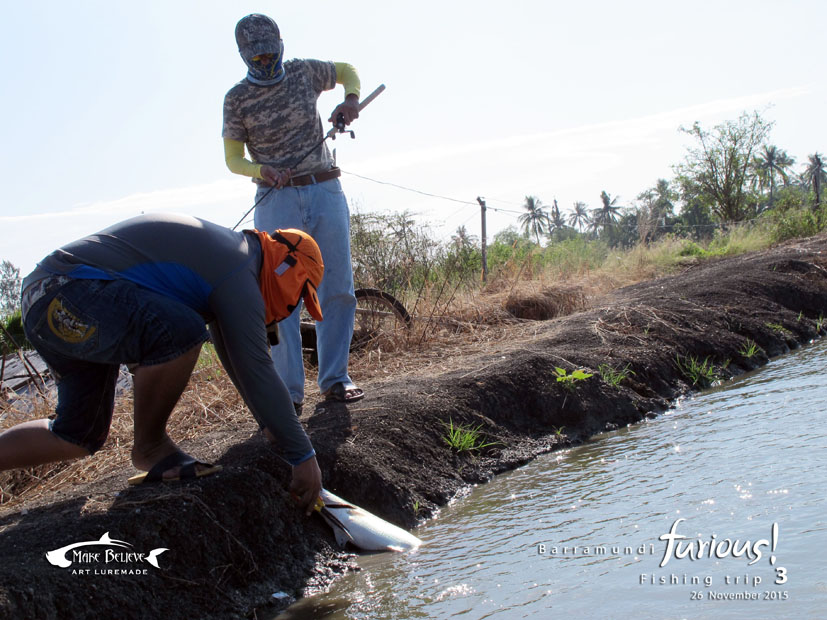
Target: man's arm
238, 164
241, 343
347, 76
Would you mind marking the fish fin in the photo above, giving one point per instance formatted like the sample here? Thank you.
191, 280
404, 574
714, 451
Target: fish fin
108, 540
152, 558
341, 533
342, 537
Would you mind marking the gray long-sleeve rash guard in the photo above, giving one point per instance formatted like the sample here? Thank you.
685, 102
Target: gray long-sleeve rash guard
214, 271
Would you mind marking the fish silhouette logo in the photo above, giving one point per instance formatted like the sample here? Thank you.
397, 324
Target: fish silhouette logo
58, 556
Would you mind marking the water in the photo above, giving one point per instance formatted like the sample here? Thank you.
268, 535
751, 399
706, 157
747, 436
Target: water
733, 463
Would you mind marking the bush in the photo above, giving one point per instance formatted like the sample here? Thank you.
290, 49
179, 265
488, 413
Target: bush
391, 252
792, 223
13, 336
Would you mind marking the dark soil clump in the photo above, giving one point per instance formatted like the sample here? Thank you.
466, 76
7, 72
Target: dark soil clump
236, 538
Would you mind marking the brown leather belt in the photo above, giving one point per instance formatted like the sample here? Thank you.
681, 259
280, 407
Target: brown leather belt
318, 177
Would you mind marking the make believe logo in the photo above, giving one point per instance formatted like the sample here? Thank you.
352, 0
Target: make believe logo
102, 561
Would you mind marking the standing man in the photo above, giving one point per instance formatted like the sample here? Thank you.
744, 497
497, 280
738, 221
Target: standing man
141, 292
273, 112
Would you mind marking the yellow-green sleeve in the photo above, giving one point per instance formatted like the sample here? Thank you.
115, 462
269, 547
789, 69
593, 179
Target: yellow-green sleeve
346, 76
236, 162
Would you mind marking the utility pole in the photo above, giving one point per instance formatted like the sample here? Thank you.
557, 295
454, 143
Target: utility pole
484, 256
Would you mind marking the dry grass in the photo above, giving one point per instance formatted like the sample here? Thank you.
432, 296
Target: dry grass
448, 324
209, 403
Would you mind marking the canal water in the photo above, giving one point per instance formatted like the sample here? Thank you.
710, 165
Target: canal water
716, 508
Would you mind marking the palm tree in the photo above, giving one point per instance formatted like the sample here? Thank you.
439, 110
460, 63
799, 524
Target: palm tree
663, 201
556, 220
771, 163
535, 221
462, 239
606, 215
815, 175
579, 218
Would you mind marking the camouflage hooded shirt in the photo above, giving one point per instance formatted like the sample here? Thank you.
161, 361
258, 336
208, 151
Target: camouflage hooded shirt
280, 123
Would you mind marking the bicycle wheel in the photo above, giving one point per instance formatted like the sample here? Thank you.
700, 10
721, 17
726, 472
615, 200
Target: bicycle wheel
381, 320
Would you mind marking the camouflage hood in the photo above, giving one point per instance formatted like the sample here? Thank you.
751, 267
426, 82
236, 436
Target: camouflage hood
258, 34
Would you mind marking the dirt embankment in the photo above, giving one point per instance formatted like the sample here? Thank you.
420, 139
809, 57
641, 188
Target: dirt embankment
236, 538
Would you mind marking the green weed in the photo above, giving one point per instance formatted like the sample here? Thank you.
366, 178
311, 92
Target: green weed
613, 376
464, 438
778, 328
819, 323
208, 363
700, 373
749, 348
569, 381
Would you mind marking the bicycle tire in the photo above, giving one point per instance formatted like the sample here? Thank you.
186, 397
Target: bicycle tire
380, 317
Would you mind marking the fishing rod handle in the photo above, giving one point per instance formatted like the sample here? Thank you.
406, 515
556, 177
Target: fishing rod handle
371, 97
362, 105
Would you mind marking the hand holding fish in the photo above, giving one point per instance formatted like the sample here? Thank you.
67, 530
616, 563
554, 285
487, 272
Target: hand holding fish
307, 484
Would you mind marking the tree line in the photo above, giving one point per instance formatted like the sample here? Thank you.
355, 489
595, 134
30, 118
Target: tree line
730, 174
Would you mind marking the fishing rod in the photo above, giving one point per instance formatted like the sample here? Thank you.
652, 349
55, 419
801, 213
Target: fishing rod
339, 127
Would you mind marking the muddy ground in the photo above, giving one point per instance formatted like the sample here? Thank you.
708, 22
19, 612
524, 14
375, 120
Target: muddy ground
234, 539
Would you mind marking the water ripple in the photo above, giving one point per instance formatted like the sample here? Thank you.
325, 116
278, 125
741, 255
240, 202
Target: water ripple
580, 530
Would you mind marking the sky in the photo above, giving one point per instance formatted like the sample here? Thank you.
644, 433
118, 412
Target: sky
113, 109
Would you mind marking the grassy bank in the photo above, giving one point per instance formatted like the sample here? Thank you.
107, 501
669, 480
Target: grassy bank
439, 415
454, 313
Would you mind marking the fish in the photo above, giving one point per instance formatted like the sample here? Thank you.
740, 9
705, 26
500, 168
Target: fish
362, 529
58, 556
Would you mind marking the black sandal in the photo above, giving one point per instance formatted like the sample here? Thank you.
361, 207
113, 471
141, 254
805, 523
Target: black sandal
344, 393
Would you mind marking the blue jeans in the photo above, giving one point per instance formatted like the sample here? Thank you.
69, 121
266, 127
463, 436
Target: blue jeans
85, 329
320, 210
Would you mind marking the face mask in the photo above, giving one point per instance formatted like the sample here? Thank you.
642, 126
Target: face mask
258, 37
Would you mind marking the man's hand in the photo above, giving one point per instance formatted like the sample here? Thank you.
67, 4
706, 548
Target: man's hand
273, 177
307, 484
349, 109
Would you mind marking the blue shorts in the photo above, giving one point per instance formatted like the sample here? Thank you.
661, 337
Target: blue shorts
85, 329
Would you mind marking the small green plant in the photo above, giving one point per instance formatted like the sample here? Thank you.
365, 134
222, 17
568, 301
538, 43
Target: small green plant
778, 328
613, 376
12, 335
208, 362
800, 316
819, 323
569, 381
558, 432
464, 438
749, 349
416, 507
700, 373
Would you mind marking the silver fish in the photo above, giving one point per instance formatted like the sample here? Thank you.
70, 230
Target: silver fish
362, 529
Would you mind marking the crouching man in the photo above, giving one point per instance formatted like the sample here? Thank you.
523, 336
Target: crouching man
143, 292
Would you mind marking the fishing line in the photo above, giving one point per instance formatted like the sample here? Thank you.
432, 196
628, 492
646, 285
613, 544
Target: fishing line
339, 127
